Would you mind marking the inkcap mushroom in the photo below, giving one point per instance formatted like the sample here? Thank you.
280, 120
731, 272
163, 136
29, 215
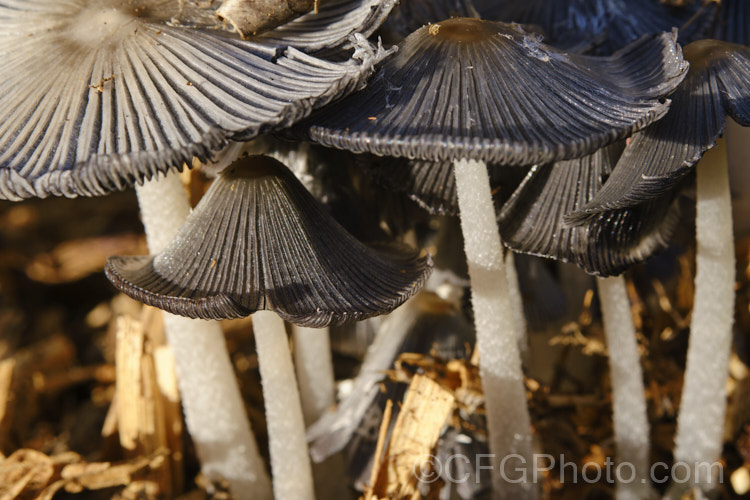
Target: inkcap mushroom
471, 91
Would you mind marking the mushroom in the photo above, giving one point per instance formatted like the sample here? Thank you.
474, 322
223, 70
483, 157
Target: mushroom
148, 99
265, 244
531, 221
656, 159
99, 95
214, 412
457, 90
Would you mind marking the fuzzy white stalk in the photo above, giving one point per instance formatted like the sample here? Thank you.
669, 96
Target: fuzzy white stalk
628, 394
334, 430
314, 366
517, 300
508, 422
290, 460
317, 390
214, 412
700, 423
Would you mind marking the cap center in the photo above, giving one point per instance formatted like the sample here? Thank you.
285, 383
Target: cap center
103, 23
703, 52
462, 29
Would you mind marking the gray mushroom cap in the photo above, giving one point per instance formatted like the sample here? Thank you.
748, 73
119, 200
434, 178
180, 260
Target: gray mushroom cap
658, 157
258, 240
98, 95
465, 88
532, 219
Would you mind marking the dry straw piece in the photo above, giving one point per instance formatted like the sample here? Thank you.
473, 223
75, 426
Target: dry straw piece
258, 16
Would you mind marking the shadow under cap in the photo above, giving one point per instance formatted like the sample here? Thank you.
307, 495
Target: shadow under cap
432, 185
258, 240
96, 96
717, 85
531, 221
465, 88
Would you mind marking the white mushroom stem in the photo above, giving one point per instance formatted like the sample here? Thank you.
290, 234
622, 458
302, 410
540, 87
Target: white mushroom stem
290, 460
700, 423
517, 300
628, 395
334, 430
214, 411
508, 422
317, 390
312, 360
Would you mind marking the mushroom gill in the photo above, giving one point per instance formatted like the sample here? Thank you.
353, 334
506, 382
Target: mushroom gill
265, 243
492, 92
532, 219
98, 95
471, 92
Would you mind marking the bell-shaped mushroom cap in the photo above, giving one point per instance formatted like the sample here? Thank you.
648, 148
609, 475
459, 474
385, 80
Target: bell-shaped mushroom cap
717, 84
603, 26
95, 96
259, 240
531, 221
466, 88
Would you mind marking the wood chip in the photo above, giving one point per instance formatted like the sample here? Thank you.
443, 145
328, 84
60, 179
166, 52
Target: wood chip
76, 259
148, 411
128, 358
426, 409
378, 456
100, 475
171, 413
251, 17
24, 470
7, 366
32, 474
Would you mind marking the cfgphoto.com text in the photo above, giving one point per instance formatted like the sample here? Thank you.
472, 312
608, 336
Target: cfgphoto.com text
460, 468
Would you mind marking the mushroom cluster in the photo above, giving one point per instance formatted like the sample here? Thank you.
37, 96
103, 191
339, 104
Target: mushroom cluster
577, 150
